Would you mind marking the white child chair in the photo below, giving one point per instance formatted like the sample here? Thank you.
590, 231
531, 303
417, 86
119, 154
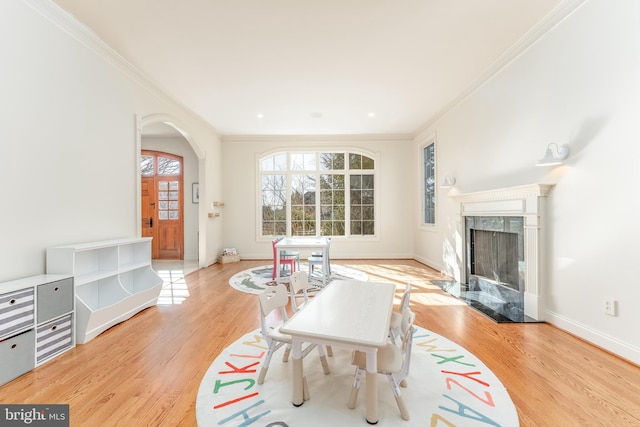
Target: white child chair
317, 258
275, 299
298, 288
393, 362
395, 325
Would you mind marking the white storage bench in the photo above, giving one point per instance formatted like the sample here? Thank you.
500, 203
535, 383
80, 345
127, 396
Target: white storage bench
113, 281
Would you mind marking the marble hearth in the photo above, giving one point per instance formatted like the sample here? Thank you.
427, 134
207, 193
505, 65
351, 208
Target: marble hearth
503, 305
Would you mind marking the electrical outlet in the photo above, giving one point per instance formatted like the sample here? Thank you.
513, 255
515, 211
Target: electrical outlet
610, 307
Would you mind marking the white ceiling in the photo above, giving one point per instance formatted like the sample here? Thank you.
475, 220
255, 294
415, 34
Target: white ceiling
230, 60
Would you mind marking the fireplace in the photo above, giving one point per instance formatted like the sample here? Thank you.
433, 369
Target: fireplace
495, 249
503, 243
495, 266
494, 255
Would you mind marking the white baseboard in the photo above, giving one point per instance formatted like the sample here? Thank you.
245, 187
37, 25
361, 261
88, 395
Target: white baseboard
436, 265
597, 338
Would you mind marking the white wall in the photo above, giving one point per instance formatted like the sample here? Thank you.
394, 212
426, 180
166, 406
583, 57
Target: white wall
180, 147
68, 112
579, 85
392, 193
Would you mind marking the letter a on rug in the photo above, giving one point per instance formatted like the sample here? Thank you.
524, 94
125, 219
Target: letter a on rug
447, 386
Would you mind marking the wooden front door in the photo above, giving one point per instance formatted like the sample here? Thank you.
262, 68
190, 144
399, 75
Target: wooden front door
162, 203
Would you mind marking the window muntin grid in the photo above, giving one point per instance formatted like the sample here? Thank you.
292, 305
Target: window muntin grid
305, 194
429, 184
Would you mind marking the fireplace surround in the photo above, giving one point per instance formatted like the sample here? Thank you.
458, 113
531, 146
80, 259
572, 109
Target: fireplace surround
513, 279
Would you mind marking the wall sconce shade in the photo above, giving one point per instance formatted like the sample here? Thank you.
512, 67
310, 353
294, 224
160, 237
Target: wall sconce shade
448, 182
554, 155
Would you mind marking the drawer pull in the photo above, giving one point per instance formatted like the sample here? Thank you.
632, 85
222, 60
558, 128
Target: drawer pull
54, 328
13, 301
56, 289
13, 346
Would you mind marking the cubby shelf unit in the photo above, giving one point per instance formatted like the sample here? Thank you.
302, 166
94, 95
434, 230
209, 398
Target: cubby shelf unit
36, 322
113, 280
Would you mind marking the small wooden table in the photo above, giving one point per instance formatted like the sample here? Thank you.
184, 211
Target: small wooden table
350, 314
313, 243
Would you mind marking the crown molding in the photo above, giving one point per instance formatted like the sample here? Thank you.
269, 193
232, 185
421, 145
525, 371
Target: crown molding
553, 18
89, 39
316, 138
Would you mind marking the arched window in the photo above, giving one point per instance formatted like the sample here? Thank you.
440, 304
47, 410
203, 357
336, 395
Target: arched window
317, 194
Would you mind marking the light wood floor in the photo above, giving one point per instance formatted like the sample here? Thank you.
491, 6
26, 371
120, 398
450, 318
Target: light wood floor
147, 370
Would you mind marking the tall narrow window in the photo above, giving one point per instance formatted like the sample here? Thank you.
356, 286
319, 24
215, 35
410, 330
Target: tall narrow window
303, 205
361, 195
332, 194
429, 171
274, 195
274, 204
332, 207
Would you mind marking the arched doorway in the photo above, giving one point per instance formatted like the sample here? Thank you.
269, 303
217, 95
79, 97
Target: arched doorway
161, 133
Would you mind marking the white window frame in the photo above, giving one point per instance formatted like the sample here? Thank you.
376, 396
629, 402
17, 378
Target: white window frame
289, 172
424, 225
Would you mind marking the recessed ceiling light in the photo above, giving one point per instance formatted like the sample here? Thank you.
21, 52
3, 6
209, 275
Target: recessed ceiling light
316, 115
372, 114
260, 115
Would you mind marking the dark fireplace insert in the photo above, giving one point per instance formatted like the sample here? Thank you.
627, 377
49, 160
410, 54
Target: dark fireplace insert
494, 255
495, 267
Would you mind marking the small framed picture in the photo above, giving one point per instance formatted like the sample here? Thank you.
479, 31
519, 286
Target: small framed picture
195, 193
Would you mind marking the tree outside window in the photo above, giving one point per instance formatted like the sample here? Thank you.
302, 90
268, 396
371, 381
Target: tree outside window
305, 194
429, 184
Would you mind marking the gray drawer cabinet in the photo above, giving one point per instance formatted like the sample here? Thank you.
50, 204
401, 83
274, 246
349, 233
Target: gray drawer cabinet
16, 311
37, 317
16, 353
54, 337
55, 299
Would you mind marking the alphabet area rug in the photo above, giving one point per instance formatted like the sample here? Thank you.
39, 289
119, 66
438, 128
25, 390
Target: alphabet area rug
254, 280
447, 386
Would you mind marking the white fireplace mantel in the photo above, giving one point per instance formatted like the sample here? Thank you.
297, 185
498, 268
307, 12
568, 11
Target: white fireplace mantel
527, 201
520, 200
537, 190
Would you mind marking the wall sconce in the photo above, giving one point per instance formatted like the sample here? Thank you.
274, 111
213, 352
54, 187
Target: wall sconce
554, 155
448, 182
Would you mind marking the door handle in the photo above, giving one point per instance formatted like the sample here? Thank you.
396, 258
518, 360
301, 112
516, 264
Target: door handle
151, 222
